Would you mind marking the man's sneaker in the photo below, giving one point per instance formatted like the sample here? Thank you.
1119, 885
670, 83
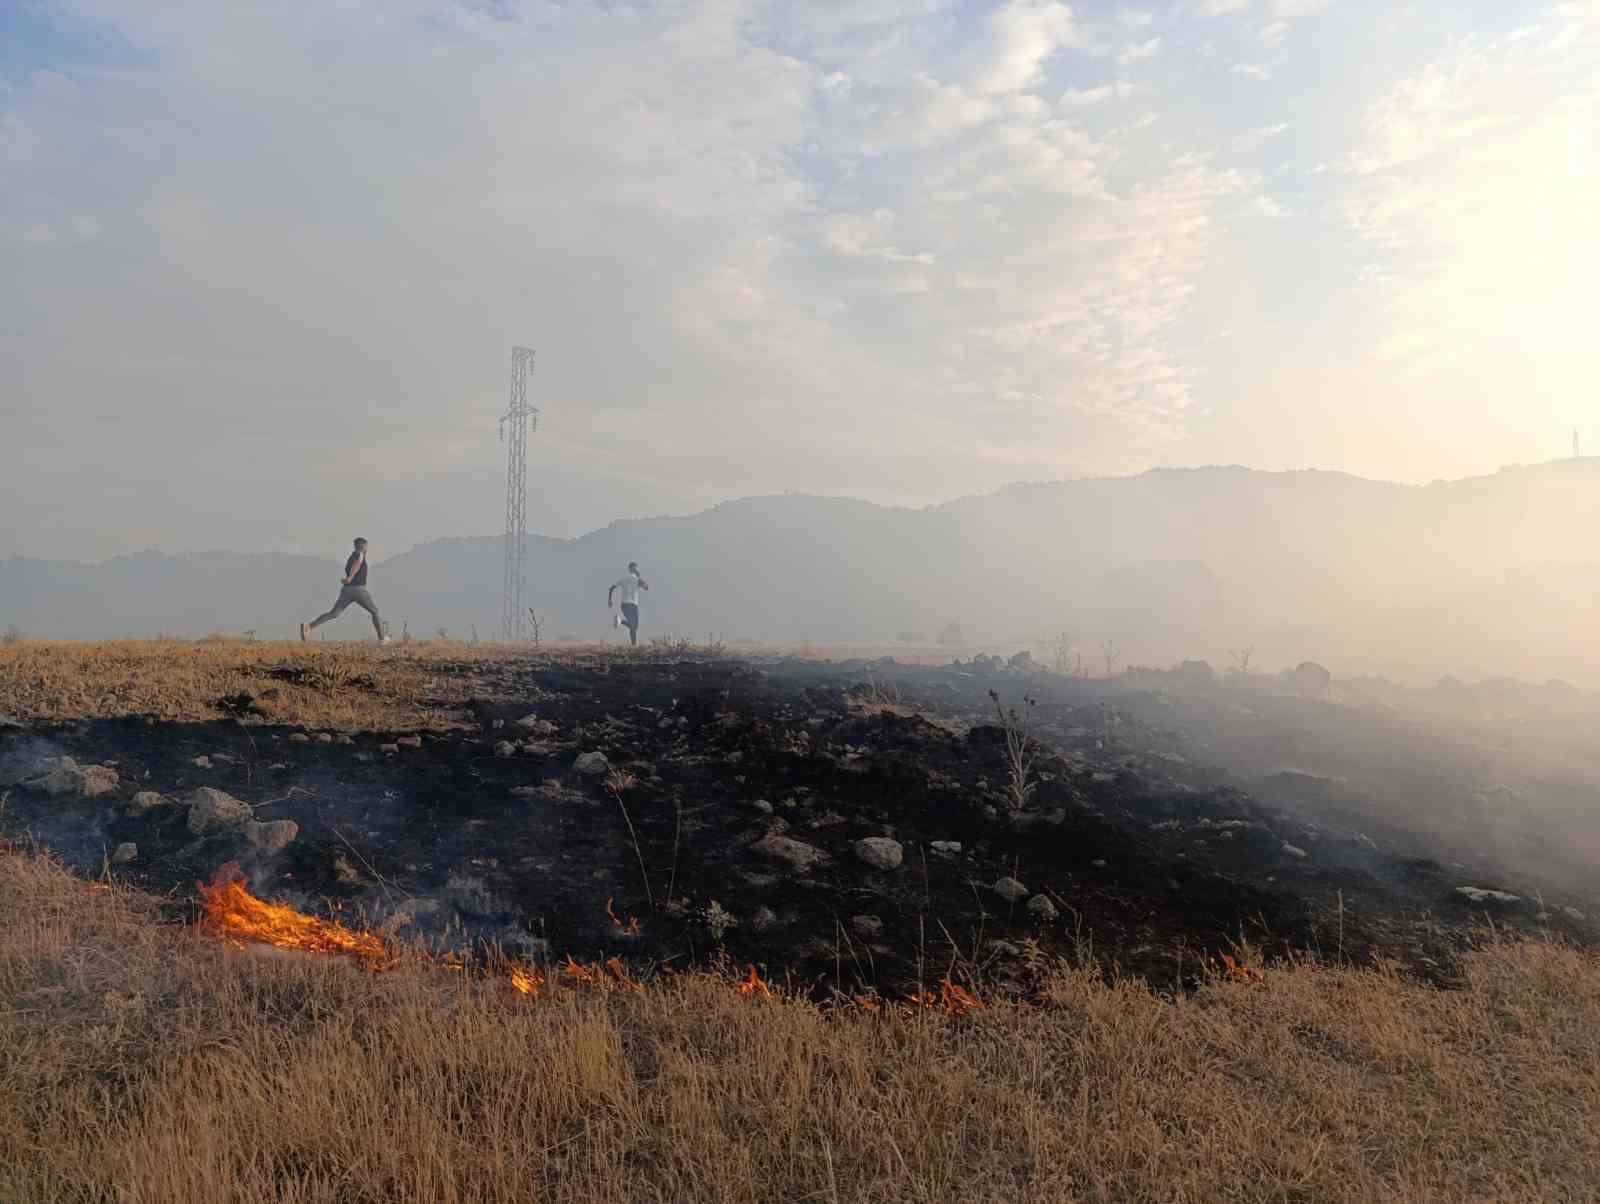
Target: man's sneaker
616, 620
384, 640
305, 633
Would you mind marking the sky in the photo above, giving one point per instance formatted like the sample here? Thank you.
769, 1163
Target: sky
261, 266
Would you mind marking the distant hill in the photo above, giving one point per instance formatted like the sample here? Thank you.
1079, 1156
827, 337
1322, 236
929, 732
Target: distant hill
1500, 572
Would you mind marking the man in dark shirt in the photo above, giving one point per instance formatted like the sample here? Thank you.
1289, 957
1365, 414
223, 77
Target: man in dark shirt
352, 588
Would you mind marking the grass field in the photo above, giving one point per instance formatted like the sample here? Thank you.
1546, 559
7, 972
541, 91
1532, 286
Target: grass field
143, 1062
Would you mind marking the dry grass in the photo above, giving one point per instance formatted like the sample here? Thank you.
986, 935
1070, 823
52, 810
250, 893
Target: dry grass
145, 1064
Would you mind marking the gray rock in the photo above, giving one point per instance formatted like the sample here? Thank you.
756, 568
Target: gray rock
28, 761
409, 741
535, 726
946, 848
1040, 906
148, 800
124, 853
795, 853
1295, 851
1099, 863
388, 748
211, 810
1479, 894
505, 749
763, 919
1572, 913
90, 781
324, 737
880, 852
272, 837
591, 764
866, 926
299, 738
761, 805
1010, 890
345, 740
202, 762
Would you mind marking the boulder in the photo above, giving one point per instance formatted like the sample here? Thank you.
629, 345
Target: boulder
148, 800
90, 781
272, 837
535, 726
1479, 894
866, 926
211, 810
1010, 890
505, 749
299, 738
1309, 679
1295, 851
591, 764
946, 848
794, 853
880, 852
124, 853
409, 742
1040, 906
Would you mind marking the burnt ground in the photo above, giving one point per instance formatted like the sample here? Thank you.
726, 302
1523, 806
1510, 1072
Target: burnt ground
1139, 833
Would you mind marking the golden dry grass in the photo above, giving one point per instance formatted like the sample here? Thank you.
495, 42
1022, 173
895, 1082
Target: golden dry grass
146, 1064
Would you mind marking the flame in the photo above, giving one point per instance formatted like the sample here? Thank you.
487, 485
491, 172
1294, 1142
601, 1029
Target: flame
587, 976
1240, 972
619, 972
951, 998
631, 927
753, 987
242, 917
526, 980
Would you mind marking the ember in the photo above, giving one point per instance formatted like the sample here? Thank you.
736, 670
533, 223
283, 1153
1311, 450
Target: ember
528, 981
1240, 972
631, 927
242, 917
951, 999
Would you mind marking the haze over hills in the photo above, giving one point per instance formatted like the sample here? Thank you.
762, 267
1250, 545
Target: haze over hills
1493, 574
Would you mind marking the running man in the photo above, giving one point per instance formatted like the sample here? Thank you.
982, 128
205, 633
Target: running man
630, 585
352, 588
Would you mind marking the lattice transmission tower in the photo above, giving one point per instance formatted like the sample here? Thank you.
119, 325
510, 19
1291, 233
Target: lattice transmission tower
521, 416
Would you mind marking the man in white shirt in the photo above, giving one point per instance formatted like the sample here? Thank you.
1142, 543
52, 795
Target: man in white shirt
630, 584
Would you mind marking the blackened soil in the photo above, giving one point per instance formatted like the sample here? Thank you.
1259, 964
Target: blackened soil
1148, 872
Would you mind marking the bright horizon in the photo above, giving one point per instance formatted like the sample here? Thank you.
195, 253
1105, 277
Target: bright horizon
262, 278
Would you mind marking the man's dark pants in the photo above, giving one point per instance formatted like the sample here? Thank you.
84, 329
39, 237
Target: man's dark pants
630, 620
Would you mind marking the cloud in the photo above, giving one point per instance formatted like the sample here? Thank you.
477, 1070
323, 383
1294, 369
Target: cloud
1251, 71
1220, 8
1018, 38
1139, 52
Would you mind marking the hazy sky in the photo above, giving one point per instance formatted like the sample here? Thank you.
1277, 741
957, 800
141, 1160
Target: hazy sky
261, 265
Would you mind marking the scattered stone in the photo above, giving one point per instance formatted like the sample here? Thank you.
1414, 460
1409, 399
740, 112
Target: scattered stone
1099, 863
880, 852
299, 738
148, 800
1572, 913
505, 749
763, 919
1295, 851
866, 926
537, 748
591, 764
388, 748
211, 809
1010, 890
535, 726
795, 853
202, 762
1042, 907
761, 805
409, 742
946, 848
271, 837
1479, 894
324, 737
69, 777
345, 740
124, 853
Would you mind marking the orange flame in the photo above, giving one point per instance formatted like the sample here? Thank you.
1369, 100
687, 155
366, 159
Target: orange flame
631, 927
952, 999
753, 987
242, 917
1239, 972
619, 972
528, 981
581, 974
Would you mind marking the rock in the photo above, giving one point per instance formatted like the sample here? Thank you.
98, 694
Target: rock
866, 926
299, 738
409, 742
202, 762
211, 809
28, 761
505, 749
1295, 851
1099, 863
946, 848
763, 919
1479, 894
761, 805
591, 764
148, 800
388, 748
124, 853
345, 740
1022, 662
535, 726
1309, 679
324, 737
1572, 913
1042, 907
880, 852
69, 777
795, 853
271, 837
1010, 890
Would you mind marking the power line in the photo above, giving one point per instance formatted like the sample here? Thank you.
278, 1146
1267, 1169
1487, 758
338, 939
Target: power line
522, 417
